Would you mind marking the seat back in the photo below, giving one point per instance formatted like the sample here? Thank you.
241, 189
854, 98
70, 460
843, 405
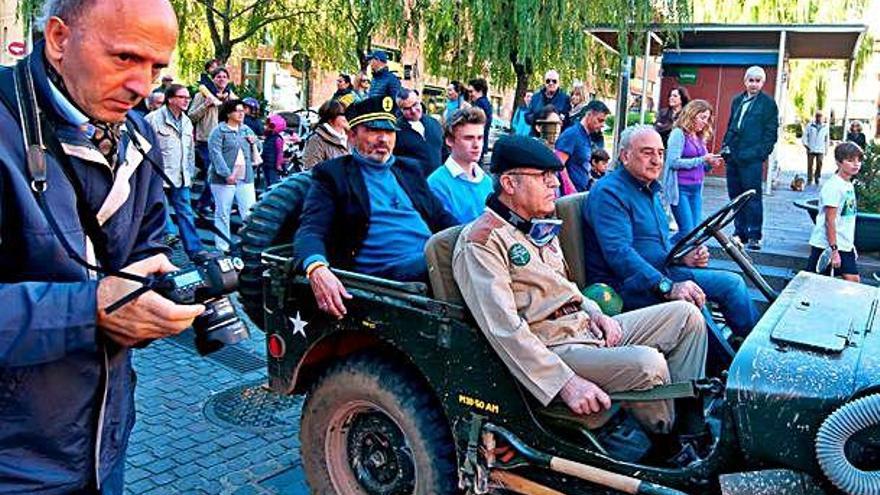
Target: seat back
571, 238
438, 253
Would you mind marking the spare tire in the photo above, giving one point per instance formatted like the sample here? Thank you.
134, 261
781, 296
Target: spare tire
272, 222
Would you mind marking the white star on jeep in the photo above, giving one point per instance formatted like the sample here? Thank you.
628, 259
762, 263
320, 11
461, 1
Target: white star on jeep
299, 325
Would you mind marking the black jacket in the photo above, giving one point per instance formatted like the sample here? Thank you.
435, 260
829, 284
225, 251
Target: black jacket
427, 150
336, 214
754, 140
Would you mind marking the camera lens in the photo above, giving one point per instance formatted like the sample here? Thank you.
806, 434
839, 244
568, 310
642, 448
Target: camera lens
218, 326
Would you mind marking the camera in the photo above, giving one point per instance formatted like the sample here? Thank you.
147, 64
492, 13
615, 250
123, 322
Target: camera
208, 283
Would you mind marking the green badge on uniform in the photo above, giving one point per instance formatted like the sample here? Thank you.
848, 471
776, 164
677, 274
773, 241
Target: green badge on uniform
519, 255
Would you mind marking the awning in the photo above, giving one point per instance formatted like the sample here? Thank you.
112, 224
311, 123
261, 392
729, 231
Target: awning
815, 41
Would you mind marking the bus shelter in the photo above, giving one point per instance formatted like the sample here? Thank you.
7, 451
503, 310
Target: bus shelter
709, 60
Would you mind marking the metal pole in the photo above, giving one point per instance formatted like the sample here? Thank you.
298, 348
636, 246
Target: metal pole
849, 83
773, 165
644, 104
622, 99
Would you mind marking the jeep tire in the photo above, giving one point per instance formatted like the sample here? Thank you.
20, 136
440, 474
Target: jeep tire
370, 428
273, 221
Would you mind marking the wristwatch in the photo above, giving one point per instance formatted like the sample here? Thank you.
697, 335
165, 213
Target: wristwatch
663, 288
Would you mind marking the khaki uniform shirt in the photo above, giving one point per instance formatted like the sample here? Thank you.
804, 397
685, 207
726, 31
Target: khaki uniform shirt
513, 289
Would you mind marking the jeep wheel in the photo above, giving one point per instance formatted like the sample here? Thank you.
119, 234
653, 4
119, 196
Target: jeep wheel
369, 428
273, 220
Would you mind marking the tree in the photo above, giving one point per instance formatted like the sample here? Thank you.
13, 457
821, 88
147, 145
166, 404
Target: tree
231, 22
512, 40
807, 82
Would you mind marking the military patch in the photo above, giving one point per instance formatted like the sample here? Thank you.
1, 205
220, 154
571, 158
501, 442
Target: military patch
387, 104
519, 255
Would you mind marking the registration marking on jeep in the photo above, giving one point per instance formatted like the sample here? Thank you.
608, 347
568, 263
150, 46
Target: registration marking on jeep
478, 404
299, 325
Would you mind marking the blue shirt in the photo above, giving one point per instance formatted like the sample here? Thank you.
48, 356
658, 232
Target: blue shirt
463, 197
626, 234
578, 145
395, 243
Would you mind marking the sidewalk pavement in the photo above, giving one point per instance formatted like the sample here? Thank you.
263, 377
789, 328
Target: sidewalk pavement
205, 425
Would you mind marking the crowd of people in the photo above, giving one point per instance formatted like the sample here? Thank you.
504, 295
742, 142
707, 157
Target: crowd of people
385, 178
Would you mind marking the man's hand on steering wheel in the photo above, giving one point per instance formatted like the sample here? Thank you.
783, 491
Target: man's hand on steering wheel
698, 258
687, 291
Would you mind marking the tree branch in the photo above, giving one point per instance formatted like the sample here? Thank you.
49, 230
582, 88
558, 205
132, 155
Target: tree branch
269, 20
209, 4
246, 9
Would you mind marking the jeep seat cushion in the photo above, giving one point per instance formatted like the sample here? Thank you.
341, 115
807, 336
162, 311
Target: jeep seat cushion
571, 238
438, 253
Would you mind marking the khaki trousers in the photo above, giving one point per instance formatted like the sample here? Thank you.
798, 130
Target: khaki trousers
814, 173
661, 344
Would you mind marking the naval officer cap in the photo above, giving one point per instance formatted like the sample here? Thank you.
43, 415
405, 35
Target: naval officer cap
512, 152
377, 112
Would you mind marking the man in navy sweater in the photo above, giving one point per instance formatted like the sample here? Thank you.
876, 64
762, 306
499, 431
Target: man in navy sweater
420, 137
370, 211
479, 91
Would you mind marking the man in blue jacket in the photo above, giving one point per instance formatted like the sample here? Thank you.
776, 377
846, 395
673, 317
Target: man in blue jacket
370, 212
748, 142
66, 381
385, 82
549, 94
627, 236
420, 136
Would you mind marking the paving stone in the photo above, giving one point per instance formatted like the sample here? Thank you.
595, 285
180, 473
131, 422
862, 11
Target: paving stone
159, 466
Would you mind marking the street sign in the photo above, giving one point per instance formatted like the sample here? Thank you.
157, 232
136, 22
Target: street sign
16, 48
687, 75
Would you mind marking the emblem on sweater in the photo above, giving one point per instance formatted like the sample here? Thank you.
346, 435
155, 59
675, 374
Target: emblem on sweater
519, 255
387, 104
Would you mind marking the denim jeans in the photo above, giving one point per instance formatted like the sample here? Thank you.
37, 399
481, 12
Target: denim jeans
728, 290
741, 178
689, 210
179, 198
270, 175
203, 161
170, 226
244, 196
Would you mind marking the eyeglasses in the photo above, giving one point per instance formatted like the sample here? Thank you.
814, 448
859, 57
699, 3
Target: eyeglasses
548, 176
407, 109
185, 97
551, 81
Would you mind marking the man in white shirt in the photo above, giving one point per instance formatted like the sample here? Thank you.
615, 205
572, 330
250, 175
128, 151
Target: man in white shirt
816, 142
419, 136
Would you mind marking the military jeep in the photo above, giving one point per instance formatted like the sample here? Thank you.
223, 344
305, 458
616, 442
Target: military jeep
405, 395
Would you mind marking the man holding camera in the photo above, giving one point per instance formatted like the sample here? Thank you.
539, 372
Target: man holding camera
66, 382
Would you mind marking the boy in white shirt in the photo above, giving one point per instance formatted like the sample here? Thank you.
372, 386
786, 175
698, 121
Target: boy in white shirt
835, 227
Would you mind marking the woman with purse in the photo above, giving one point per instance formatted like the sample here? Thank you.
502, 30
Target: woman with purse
233, 150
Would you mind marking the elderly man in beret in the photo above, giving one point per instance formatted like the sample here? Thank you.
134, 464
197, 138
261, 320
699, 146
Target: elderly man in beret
370, 211
512, 274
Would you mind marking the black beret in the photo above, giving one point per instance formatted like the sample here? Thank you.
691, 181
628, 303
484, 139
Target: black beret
512, 152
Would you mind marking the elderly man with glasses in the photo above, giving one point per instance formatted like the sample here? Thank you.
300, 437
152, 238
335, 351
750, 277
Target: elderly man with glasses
419, 137
509, 266
549, 94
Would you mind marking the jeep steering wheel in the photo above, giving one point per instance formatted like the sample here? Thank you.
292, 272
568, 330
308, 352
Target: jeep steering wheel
711, 227
708, 227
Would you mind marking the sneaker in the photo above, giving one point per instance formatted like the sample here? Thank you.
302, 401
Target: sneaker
754, 245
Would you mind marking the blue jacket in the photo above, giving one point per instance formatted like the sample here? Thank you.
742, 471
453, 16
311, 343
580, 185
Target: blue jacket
626, 234
384, 83
560, 100
336, 214
56, 370
754, 140
427, 150
223, 145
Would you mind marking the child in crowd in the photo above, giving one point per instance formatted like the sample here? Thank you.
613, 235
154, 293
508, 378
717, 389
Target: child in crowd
598, 166
835, 227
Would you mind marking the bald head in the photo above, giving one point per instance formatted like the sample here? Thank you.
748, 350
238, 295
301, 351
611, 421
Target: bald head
641, 152
109, 52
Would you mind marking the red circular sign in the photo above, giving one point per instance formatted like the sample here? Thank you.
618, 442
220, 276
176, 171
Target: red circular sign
17, 48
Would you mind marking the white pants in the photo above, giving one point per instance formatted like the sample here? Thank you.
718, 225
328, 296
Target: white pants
244, 196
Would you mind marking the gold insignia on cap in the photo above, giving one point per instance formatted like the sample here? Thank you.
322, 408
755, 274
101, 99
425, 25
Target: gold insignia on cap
387, 104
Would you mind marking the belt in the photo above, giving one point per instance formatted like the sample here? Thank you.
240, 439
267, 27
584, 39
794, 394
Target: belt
566, 309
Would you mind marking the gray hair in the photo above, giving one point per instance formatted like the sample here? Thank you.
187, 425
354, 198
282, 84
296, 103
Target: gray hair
630, 133
755, 71
68, 11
